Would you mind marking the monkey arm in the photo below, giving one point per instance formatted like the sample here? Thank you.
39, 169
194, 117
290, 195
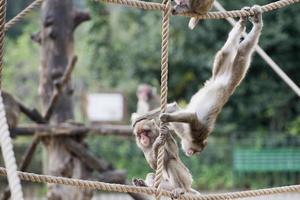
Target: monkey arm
184, 117
171, 146
160, 140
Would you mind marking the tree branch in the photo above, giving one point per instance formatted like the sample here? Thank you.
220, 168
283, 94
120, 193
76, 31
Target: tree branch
80, 17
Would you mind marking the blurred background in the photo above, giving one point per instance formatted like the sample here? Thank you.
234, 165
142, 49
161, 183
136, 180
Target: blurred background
256, 142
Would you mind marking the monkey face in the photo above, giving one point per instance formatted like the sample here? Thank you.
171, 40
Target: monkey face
190, 147
144, 92
145, 132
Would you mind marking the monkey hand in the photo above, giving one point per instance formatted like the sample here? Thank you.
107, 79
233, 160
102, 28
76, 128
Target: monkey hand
164, 117
176, 193
257, 18
160, 140
139, 182
243, 20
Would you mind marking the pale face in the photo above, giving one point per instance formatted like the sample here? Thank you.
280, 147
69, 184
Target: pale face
144, 133
144, 92
144, 139
190, 148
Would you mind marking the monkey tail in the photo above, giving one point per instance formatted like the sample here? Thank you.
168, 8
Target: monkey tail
193, 22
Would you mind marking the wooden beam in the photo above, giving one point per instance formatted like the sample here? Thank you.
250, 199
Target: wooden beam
68, 129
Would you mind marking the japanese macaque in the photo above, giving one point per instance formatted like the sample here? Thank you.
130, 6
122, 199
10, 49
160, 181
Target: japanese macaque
193, 6
176, 176
147, 99
12, 109
230, 66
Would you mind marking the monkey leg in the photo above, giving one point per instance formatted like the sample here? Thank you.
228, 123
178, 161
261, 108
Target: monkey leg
176, 193
246, 46
179, 175
224, 57
243, 58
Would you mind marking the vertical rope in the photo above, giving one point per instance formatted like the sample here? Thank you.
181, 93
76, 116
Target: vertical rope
163, 92
5, 140
2, 32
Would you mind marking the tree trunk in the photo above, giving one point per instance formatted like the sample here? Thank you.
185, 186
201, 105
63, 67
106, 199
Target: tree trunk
59, 19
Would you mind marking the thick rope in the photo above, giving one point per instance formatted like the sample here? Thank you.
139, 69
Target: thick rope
22, 14
163, 93
5, 140
8, 155
136, 4
94, 185
210, 15
243, 13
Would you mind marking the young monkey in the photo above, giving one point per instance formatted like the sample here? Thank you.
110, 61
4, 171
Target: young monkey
230, 66
176, 177
194, 6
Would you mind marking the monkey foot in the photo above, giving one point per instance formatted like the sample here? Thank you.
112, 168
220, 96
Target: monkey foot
176, 193
244, 19
257, 18
139, 182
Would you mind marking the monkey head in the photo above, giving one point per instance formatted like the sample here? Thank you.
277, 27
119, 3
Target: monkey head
191, 147
145, 131
145, 92
181, 6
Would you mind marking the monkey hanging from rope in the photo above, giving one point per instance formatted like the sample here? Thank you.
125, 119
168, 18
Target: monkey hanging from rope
194, 123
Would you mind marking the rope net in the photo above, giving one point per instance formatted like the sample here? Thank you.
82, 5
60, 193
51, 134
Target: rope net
165, 6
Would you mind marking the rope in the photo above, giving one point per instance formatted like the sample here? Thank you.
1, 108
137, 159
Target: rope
8, 155
2, 34
5, 140
136, 4
95, 185
163, 93
210, 15
239, 13
22, 14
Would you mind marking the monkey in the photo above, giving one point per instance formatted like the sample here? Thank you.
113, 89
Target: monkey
147, 99
194, 6
176, 176
12, 109
230, 66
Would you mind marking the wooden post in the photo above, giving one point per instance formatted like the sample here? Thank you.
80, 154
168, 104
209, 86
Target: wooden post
59, 20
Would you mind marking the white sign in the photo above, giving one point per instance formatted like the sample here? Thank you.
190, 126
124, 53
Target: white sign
105, 107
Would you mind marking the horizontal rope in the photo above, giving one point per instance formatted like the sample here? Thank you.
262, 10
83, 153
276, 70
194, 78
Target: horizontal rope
159, 6
136, 4
210, 15
241, 13
83, 184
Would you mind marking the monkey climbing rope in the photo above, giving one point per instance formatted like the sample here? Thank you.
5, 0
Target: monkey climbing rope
165, 7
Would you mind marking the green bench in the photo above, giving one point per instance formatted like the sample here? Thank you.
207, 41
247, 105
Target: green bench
266, 160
